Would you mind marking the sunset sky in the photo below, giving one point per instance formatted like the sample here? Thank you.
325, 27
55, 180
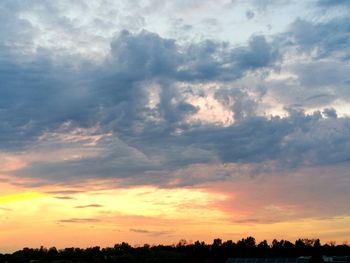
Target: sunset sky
151, 121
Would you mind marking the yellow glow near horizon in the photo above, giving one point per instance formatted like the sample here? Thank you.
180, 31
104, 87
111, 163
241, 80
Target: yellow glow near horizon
18, 197
149, 201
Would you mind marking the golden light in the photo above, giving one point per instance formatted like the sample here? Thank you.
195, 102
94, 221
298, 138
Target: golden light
18, 197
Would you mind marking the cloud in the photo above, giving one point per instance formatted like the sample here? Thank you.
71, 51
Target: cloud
264, 144
250, 14
305, 193
217, 61
106, 107
147, 232
333, 3
38, 96
317, 76
147, 52
259, 139
330, 113
324, 39
64, 197
265, 4
79, 220
127, 117
5, 209
89, 206
154, 56
65, 192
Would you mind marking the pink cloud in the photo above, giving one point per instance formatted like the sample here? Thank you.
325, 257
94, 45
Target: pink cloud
270, 198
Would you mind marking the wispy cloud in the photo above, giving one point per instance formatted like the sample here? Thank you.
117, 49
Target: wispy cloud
148, 232
64, 197
89, 206
5, 209
79, 220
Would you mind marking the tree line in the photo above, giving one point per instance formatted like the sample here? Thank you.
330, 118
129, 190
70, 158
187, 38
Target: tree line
183, 252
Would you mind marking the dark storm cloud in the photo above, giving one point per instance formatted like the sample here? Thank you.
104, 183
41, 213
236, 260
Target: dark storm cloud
330, 113
135, 57
283, 143
158, 155
217, 61
330, 38
144, 55
293, 141
40, 93
244, 105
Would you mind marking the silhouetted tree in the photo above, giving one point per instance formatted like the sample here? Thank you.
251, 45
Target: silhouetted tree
216, 252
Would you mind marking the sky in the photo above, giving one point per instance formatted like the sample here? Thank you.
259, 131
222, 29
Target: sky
151, 121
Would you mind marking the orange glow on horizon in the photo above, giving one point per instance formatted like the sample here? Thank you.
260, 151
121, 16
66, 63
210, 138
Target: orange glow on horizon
65, 218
